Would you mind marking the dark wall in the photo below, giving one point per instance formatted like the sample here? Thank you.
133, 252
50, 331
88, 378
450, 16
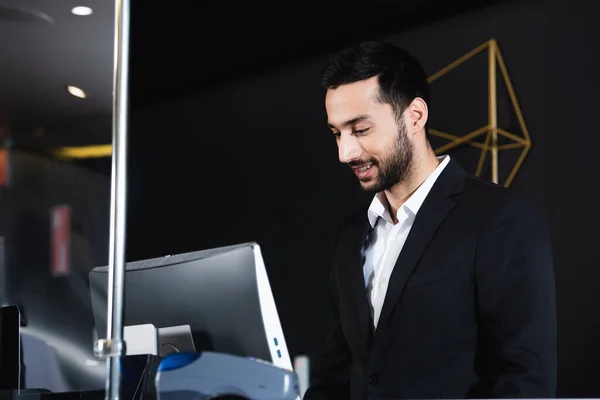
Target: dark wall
253, 160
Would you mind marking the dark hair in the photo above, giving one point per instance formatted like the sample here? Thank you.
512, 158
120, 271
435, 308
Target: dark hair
401, 77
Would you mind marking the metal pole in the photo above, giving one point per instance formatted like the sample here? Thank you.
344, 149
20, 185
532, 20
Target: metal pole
493, 108
113, 346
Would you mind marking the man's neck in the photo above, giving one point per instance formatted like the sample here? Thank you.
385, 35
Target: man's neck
399, 194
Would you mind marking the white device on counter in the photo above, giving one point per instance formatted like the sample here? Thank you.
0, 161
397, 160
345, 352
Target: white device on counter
199, 376
141, 339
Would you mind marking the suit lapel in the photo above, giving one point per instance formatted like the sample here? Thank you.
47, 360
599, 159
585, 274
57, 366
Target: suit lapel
354, 275
432, 213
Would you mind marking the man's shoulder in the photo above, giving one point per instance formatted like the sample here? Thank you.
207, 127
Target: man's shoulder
353, 222
477, 186
499, 200
356, 217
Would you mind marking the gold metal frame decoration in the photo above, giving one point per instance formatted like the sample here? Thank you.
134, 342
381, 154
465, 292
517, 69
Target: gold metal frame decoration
491, 130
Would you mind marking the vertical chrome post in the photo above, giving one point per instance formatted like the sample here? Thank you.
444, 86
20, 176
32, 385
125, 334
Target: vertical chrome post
113, 346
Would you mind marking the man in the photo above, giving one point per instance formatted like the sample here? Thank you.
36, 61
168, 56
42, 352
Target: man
443, 287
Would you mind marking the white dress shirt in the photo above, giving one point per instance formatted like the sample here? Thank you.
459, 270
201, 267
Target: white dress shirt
387, 239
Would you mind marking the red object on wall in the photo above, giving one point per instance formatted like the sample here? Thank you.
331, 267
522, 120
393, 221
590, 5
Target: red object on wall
60, 236
3, 151
3, 166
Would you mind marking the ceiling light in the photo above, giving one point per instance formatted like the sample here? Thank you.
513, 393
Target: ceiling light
75, 91
81, 10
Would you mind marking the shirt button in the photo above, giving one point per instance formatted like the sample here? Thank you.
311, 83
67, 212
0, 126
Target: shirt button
374, 379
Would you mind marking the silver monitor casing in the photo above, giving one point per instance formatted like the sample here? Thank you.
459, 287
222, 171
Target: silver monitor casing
223, 294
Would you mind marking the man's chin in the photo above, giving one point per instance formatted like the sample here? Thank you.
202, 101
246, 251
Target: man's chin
369, 186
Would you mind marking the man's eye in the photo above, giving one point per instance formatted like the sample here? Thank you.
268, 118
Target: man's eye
360, 131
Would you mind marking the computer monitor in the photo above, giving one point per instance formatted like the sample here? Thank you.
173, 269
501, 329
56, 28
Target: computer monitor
223, 294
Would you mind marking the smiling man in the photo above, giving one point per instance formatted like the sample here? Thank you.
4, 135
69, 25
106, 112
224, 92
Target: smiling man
442, 286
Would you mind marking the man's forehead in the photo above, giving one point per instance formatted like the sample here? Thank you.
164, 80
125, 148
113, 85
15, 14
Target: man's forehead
348, 101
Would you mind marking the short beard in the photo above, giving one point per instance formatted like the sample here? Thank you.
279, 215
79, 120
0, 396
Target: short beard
396, 167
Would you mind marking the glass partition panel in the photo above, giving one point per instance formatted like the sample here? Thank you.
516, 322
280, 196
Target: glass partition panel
56, 85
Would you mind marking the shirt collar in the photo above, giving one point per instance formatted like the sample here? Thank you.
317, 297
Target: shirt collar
378, 207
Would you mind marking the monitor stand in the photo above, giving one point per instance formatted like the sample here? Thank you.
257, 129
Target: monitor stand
146, 339
175, 339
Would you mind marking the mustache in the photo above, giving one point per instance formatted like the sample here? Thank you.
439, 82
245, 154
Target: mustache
361, 163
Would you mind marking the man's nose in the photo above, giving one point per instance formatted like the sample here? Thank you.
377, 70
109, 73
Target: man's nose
348, 148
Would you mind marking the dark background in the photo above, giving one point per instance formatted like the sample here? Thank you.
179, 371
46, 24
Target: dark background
251, 159
228, 144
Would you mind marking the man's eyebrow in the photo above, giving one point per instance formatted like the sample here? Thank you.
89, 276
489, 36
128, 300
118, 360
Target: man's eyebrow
350, 122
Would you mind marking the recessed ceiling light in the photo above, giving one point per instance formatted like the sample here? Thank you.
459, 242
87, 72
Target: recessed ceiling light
81, 10
75, 91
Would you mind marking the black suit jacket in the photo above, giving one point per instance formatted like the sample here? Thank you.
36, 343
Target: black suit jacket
469, 311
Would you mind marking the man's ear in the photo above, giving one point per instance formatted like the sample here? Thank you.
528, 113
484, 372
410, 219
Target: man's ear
417, 114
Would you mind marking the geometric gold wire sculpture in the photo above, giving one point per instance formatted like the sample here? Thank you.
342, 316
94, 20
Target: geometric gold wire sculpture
491, 130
